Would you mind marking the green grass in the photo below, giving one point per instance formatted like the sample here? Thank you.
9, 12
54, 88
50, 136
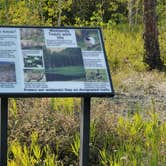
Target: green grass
69, 70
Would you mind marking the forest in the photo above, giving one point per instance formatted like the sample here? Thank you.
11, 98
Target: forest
126, 130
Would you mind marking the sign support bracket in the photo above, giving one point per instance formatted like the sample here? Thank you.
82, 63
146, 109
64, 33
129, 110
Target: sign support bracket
84, 131
3, 130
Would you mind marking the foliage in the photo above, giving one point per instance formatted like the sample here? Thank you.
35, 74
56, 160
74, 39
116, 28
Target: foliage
137, 136
65, 105
54, 124
161, 9
162, 39
34, 155
75, 146
47, 12
19, 12
133, 140
124, 49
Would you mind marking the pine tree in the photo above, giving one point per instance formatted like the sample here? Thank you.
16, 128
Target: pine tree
151, 43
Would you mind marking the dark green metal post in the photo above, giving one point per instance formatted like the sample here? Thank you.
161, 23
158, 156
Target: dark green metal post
3, 131
85, 131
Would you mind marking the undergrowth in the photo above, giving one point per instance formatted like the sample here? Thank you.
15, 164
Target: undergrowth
125, 48
133, 140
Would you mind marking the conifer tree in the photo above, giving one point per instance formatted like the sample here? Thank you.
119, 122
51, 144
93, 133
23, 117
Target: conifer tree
151, 43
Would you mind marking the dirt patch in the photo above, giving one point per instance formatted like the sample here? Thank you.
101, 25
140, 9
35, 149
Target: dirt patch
138, 92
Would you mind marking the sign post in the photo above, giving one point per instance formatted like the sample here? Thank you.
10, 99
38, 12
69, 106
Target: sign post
84, 131
53, 62
3, 131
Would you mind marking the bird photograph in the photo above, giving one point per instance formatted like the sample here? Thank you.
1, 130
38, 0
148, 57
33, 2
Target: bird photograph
88, 39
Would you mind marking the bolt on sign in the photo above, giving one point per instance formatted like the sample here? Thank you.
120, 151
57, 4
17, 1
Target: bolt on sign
46, 61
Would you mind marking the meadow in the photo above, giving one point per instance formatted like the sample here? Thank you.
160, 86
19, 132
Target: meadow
127, 130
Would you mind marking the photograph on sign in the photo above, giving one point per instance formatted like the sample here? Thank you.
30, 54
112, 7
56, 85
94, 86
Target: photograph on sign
88, 39
32, 38
53, 60
65, 64
7, 72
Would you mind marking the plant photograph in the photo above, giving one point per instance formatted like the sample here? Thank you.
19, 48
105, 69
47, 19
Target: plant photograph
34, 75
96, 75
64, 64
33, 61
32, 38
7, 71
88, 39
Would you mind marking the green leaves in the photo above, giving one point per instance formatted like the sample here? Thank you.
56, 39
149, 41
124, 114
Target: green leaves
75, 146
35, 155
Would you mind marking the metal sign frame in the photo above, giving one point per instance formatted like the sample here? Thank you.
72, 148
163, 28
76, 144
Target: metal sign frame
85, 108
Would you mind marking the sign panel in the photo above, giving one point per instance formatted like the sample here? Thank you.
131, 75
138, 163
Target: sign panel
53, 61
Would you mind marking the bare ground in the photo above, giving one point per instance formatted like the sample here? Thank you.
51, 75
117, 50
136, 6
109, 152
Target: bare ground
136, 92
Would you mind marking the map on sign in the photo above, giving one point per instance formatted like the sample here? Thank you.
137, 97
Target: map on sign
53, 60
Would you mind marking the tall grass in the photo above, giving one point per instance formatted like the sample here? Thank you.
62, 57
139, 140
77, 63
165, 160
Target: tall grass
133, 140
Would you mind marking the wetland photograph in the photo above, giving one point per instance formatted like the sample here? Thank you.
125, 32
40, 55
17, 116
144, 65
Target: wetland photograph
65, 64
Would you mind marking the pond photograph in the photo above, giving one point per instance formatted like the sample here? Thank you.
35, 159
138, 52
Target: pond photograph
64, 64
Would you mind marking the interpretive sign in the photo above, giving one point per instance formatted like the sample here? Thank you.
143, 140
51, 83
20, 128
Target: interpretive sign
50, 61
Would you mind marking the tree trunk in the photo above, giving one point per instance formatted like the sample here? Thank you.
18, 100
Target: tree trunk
151, 43
7, 10
60, 12
131, 4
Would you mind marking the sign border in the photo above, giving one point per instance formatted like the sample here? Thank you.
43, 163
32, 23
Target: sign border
65, 94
